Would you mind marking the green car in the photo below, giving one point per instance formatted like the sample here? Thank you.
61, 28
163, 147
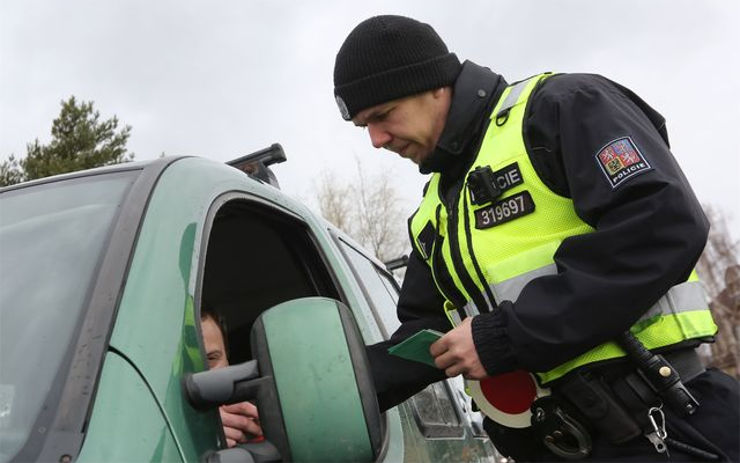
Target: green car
103, 274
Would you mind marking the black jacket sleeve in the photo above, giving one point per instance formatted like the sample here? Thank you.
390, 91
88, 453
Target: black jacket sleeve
649, 228
419, 307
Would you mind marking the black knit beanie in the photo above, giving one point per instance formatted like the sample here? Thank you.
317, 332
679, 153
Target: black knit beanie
390, 57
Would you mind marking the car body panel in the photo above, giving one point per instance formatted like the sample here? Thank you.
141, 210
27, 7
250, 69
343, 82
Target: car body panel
156, 323
161, 285
154, 340
147, 436
466, 448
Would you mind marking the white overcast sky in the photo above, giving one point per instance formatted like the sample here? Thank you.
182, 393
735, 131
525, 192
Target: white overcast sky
221, 79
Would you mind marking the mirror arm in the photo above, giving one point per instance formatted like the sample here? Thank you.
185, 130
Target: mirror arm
211, 388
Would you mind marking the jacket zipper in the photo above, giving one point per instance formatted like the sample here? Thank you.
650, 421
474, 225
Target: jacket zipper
477, 296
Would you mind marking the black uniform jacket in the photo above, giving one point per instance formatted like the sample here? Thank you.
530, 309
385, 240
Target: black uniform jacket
650, 229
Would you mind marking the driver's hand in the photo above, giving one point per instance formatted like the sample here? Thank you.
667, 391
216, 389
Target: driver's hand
241, 423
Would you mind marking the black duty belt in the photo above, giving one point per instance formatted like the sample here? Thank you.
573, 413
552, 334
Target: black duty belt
621, 401
687, 362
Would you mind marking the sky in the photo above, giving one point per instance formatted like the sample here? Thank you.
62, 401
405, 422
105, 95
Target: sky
222, 79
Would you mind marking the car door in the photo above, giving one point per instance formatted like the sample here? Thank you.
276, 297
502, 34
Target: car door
439, 422
260, 249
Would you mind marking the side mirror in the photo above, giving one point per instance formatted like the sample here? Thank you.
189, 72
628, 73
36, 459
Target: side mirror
311, 383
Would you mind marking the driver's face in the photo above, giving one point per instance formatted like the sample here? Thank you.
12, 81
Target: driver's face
213, 340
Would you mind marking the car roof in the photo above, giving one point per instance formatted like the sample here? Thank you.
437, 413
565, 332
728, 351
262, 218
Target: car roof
122, 167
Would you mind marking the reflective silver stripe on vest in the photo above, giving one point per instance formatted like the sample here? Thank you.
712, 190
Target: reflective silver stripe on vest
684, 297
471, 310
454, 315
512, 97
508, 290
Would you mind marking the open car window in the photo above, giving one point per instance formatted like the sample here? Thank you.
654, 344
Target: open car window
258, 257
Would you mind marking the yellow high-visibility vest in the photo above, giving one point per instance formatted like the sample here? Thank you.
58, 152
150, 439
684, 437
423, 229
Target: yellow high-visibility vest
514, 238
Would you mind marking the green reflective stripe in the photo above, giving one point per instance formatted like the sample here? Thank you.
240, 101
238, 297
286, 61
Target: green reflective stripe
685, 297
665, 331
513, 97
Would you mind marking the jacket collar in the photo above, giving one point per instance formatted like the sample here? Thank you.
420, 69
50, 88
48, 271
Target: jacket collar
476, 91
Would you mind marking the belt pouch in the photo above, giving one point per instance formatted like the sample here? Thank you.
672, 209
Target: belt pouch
597, 403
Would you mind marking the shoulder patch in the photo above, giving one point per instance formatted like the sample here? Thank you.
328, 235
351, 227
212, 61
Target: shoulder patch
620, 160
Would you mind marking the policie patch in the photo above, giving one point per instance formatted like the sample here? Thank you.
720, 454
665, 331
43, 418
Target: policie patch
485, 185
620, 159
503, 211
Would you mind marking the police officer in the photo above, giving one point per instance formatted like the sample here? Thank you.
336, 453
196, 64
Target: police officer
556, 233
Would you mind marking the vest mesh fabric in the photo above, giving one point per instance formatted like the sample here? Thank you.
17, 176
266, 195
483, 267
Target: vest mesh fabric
523, 248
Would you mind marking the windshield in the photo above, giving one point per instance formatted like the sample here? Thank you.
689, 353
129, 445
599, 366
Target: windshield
52, 237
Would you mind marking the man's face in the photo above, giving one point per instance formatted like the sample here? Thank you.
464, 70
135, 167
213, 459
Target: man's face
214, 343
408, 126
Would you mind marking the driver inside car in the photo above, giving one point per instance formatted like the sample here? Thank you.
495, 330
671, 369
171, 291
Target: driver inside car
240, 420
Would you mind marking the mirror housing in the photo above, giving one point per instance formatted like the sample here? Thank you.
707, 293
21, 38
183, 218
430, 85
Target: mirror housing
313, 386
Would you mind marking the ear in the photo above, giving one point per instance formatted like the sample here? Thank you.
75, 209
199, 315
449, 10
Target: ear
441, 92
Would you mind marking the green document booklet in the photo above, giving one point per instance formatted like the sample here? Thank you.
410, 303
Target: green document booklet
416, 347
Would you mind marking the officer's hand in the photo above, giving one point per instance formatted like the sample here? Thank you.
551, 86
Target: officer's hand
241, 423
455, 353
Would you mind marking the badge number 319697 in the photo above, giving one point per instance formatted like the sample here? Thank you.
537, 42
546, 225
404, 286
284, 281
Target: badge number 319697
504, 210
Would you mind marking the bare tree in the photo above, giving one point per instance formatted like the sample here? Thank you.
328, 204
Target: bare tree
380, 221
719, 254
335, 202
719, 270
367, 207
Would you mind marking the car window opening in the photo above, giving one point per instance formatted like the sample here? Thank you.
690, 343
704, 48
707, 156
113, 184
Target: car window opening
257, 258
